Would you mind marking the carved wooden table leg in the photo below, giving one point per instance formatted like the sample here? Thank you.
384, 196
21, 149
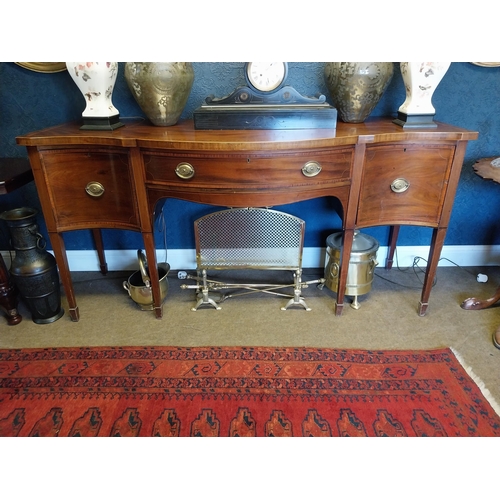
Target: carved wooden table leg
8, 295
486, 169
473, 304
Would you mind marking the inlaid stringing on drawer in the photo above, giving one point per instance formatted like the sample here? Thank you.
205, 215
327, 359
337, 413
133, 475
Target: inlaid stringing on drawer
313, 167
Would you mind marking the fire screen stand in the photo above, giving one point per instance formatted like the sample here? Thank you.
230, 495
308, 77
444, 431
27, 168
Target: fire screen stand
248, 238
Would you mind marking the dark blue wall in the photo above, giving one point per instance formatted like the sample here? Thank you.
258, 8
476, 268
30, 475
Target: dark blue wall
468, 96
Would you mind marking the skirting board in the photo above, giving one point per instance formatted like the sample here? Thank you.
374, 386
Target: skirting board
313, 257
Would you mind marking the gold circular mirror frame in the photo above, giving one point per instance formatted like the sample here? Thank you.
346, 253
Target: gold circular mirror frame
487, 64
43, 67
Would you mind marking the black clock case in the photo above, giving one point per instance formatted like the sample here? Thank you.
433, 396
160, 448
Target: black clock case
284, 109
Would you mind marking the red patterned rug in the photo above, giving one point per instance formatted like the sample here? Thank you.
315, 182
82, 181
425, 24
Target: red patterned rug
239, 391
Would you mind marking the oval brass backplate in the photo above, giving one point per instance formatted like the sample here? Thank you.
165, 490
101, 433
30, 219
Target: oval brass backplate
400, 185
311, 168
184, 170
94, 189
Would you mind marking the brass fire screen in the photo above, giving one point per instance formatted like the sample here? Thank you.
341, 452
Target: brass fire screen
248, 238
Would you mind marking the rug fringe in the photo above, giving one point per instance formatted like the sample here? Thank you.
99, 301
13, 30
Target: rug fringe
486, 393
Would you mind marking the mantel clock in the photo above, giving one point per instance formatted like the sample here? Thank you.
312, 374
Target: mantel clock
265, 102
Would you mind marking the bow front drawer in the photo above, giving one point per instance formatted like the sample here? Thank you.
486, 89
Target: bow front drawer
271, 170
90, 188
404, 183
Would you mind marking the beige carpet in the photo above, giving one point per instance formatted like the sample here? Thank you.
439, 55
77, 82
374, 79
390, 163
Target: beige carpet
387, 318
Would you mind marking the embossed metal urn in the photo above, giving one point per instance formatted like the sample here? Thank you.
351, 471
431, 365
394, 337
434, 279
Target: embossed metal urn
160, 88
361, 268
33, 269
356, 87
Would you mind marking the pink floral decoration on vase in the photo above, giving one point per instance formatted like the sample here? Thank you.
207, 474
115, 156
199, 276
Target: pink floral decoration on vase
96, 81
421, 80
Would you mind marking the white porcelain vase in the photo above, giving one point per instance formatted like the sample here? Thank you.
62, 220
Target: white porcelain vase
421, 80
96, 81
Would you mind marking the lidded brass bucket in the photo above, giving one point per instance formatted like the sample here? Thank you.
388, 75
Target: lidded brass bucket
138, 285
361, 268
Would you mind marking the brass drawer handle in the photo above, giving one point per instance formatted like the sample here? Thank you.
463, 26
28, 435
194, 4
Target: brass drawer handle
184, 170
400, 185
311, 169
95, 189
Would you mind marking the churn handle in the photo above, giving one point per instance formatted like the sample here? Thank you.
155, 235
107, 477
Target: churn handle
142, 265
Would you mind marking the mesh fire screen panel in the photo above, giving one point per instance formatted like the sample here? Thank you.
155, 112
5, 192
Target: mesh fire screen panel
249, 238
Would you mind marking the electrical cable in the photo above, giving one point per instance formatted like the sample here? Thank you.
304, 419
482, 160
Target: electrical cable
415, 268
162, 228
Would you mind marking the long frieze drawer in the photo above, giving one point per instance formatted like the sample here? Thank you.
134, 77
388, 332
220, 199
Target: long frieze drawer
89, 188
222, 170
404, 183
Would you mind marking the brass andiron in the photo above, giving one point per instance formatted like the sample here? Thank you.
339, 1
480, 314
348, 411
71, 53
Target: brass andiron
258, 238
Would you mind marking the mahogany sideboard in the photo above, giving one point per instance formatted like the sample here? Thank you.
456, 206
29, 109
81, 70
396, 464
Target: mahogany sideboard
381, 173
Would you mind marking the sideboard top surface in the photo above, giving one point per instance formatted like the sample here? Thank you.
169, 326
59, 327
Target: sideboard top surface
140, 133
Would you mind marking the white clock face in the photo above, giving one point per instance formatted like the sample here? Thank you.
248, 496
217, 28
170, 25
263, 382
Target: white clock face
266, 76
